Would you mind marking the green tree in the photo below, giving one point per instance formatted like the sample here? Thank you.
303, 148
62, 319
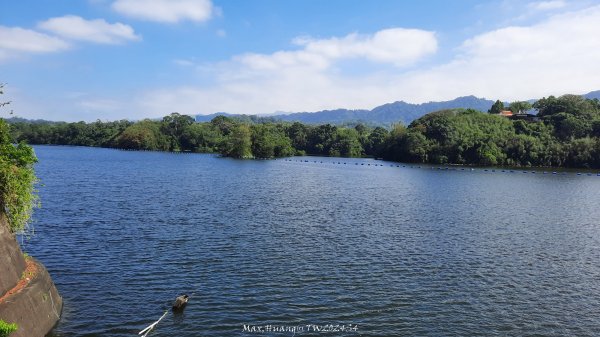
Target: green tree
269, 141
239, 143
224, 124
583, 152
17, 179
519, 107
496, 108
201, 137
567, 126
144, 135
346, 144
570, 104
173, 126
376, 142
298, 134
321, 138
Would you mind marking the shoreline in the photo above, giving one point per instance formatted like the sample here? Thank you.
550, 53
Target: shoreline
540, 169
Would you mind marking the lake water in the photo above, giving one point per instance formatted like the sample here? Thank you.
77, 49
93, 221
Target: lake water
377, 250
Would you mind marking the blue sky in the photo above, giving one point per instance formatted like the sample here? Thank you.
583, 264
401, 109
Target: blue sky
112, 59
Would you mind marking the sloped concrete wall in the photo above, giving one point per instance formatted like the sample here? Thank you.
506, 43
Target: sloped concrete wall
12, 262
36, 308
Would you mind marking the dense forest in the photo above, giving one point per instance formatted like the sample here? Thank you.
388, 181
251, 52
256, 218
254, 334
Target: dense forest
565, 132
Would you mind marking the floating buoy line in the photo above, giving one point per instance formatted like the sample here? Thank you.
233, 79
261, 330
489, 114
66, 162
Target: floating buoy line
440, 168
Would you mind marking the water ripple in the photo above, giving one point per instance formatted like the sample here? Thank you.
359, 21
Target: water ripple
393, 250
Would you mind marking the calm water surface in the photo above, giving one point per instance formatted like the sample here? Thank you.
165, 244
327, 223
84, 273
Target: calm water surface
392, 251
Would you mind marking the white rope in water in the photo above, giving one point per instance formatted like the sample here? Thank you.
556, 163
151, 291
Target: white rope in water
147, 330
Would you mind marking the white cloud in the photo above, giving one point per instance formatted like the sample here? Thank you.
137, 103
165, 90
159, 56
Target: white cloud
547, 5
98, 30
555, 56
559, 55
167, 11
15, 41
301, 79
397, 46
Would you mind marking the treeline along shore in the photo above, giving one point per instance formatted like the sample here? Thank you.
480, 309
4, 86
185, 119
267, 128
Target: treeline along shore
564, 132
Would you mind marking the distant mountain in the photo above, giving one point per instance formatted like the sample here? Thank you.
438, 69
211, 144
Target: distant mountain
388, 113
592, 95
384, 115
241, 118
208, 118
338, 116
13, 120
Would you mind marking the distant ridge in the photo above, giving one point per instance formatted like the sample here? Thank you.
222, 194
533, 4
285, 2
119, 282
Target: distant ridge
592, 95
386, 114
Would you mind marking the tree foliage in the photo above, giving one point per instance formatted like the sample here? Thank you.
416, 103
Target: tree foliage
496, 108
519, 107
17, 179
565, 133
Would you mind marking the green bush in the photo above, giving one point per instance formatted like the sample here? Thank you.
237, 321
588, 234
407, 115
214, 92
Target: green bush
6, 328
17, 179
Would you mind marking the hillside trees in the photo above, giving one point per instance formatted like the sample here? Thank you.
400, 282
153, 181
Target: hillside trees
17, 179
566, 133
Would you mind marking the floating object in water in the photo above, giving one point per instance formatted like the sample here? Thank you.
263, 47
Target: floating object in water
180, 302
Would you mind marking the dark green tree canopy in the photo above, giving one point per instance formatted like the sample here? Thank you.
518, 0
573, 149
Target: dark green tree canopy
497, 107
519, 107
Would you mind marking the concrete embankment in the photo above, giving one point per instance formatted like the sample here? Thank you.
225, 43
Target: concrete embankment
28, 297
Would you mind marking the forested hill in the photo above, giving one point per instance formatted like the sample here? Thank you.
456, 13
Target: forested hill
384, 115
